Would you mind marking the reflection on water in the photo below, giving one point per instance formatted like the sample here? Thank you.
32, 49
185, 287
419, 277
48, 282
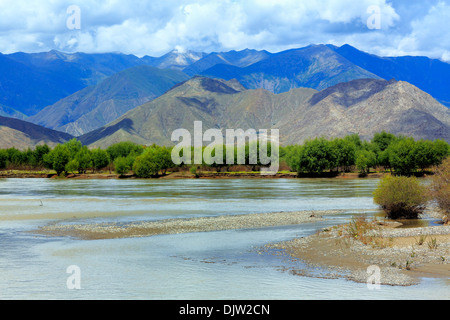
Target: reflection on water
210, 265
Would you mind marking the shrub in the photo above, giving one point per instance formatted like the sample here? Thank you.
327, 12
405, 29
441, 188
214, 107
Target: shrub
440, 185
401, 197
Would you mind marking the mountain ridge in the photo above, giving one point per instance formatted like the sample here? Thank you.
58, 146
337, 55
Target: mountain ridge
363, 106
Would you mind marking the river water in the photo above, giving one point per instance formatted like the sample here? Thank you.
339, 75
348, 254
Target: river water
208, 265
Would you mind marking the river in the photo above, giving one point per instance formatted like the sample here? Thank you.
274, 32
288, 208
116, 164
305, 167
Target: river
207, 265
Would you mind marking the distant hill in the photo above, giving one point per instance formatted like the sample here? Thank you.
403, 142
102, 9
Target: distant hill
22, 135
315, 66
174, 59
364, 106
242, 58
95, 106
430, 75
31, 81
322, 66
11, 113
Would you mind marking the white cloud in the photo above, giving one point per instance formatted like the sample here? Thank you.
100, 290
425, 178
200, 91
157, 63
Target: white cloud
155, 27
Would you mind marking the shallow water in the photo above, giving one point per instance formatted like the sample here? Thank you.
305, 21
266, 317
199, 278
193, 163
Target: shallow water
209, 265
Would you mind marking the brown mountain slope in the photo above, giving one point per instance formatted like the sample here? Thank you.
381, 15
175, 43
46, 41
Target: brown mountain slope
217, 103
362, 106
22, 135
366, 107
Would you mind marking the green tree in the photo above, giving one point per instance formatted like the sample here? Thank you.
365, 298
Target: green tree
84, 159
3, 159
317, 156
345, 152
123, 149
100, 159
383, 140
365, 159
441, 151
152, 161
58, 158
72, 166
121, 166
402, 156
74, 146
37, 158
424, 154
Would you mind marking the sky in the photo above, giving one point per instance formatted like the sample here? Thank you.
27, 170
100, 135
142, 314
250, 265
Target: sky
382, 27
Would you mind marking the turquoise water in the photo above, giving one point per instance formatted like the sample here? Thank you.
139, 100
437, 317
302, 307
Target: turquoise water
210, 265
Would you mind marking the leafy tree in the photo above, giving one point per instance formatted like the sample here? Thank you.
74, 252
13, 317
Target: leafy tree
424, 154
441, 151
58, 158
121, 166
402, 156
294, 158
84, 159
3, 159
100, 159
152, 161
16, 157
383, 140
37, 158
74, 146
345, 153
317, 156
355, 139
72, 166
123, 149
365, 159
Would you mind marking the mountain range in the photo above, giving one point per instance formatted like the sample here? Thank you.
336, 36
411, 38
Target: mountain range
97, 105
363, 106
94, 95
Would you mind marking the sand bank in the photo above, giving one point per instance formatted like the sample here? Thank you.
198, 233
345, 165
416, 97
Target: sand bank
176, 226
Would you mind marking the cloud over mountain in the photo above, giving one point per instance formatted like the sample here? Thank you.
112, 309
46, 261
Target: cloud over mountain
156, 27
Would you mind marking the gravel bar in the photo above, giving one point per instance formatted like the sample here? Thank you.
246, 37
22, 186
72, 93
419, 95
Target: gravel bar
177, 226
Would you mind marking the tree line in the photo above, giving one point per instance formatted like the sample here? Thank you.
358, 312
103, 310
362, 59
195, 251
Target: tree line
399, 154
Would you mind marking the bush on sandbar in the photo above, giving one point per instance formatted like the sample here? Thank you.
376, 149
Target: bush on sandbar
401, 197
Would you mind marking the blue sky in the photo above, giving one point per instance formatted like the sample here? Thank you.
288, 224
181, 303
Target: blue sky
156, 27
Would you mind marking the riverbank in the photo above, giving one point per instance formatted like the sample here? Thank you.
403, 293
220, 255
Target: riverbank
17, 174
403, 255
